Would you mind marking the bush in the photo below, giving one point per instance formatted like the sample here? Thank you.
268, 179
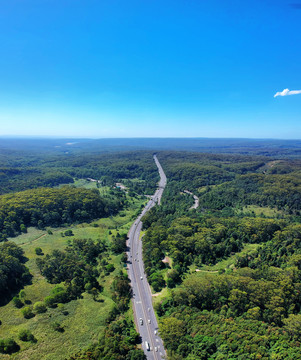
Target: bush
124, 258
39, 307
27, 312
38, 251
22, 294
69, 233
50, 301
23, 228
62, 309
17, 302
8, 346
57, 327
110, 268
157, 281
26, 335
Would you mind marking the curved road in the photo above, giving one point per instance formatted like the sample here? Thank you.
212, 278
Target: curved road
144, 314
196, 199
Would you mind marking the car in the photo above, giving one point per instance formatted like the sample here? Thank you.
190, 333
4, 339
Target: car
141, 321
141, 277
155, 332
156, 349
149, 321
147, 346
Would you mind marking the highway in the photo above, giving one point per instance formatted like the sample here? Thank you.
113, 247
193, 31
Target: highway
144, 314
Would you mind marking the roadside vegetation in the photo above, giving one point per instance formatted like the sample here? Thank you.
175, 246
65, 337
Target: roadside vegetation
62, 284
232, 288
227, 275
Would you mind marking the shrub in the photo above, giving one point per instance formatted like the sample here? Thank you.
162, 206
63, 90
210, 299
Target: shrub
69, 233
88, 286
38, 251
157, 281
39, 307
62, 309
22, 294
23, 228
50, 301
17, 302
110, 268
8, 346
27, 312
26, 335
57, 327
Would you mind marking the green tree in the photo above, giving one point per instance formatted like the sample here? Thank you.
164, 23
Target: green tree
26, 335
157, 281
293, 325
172, 331
17, 302
39, 307
8, 346
57, 327
27, 312
38, 251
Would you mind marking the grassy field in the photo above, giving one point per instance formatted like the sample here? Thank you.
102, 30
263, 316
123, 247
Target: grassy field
82, 319
259, 211
227, 263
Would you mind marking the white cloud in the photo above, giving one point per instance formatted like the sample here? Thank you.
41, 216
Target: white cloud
286, 92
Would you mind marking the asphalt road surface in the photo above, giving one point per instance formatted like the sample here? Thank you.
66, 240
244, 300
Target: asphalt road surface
196, 199
144, 314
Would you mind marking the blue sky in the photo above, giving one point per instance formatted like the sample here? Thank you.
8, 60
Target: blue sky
149, 68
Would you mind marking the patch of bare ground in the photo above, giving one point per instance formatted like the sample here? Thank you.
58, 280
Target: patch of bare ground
167, 260
270, 164
33, 240
207, 271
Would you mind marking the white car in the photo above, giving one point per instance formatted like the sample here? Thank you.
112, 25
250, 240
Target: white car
149, 321
156, 349
141, 321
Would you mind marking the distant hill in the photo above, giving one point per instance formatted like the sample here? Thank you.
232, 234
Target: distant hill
267, 147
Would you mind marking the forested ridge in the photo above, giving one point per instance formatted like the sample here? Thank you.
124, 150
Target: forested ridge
52, 207
248, 218
31, 170
84, 269
251, 309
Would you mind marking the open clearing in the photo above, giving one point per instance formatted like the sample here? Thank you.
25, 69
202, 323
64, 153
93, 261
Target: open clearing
82, 319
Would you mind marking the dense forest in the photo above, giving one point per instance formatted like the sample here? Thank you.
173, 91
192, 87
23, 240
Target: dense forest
52, 207
248, 218
34, 194
250, 310
21, 171
13, 273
